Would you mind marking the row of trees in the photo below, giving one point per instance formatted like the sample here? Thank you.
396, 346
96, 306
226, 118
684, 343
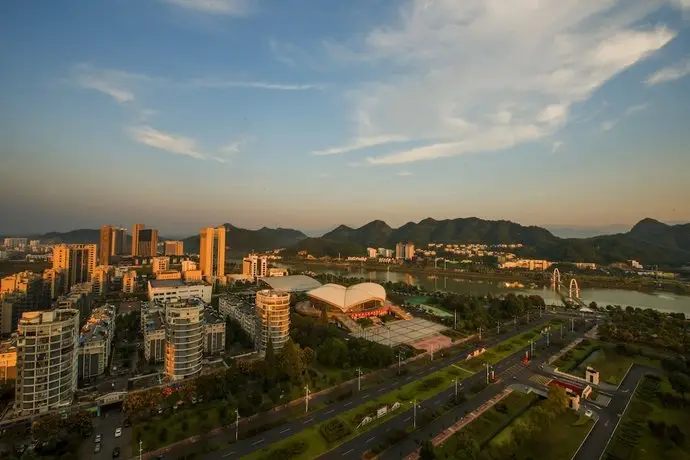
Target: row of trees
651, 328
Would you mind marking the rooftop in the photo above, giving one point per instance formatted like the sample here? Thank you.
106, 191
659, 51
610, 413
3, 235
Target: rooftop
347, 297
291, 283
212, 316
173, 283
97, 324
154, 320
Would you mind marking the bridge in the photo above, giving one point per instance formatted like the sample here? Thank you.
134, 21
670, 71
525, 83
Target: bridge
573, 289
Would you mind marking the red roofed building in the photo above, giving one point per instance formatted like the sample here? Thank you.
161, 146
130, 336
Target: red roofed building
573, 392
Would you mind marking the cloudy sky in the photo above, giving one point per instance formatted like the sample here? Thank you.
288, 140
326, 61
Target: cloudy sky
308, 114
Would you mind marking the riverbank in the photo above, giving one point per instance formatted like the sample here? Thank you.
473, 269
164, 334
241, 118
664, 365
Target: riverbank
541, 279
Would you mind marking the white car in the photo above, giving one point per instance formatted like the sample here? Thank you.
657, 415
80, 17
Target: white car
118, 432
588, 413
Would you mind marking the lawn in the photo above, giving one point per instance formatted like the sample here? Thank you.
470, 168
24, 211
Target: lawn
310, 443
634, 438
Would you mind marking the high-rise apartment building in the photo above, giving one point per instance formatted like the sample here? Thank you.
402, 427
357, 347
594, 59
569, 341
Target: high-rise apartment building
19, 293
273, 313
136, 228
148, 242
53, 282
118, 245
409, 251
212, 252
78, 261
400, 251
105, 243
129, 282
184, 338
159, 264
255, 266
404, 251
95, 342
15, 243
100, 280
174, 248
47, 350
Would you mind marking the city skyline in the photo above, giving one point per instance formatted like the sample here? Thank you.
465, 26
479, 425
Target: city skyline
189, 113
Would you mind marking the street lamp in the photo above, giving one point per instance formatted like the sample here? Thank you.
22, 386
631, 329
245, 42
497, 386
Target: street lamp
456, 390
400, 356
237, 425
414, 414
306, 400
359, 379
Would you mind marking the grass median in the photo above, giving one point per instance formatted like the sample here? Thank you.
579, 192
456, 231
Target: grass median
311, 442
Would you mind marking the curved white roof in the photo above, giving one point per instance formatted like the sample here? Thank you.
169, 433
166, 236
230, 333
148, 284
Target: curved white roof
347, 297
292, 283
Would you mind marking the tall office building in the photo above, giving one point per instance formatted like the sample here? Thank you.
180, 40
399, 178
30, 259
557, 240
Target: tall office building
136, 228
212, 252
184, 338
47, 354
77, 260
400, 251
105, 245
148, 242
174, 248
118, 245
255, 266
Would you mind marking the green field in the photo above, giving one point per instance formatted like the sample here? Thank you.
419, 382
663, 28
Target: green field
310, 443
654, 402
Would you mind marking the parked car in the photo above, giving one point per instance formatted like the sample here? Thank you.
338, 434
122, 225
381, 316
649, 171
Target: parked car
118, 432
98, 438
588, 413
116, 452
97, 448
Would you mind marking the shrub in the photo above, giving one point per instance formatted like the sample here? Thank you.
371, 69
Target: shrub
290, 451
163, 434
334, 430
429, 383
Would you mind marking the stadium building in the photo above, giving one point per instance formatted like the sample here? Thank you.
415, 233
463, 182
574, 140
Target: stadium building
357, 301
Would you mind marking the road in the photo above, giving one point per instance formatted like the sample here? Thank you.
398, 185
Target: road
249, 445
594, 446
106, 425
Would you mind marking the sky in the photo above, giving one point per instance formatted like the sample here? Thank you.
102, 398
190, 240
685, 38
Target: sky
308, 114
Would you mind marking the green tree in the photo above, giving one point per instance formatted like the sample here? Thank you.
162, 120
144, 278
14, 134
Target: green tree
680, 382
308, 356
466, 447
427, 451
270, 362
324, 316
291, 360
557, 401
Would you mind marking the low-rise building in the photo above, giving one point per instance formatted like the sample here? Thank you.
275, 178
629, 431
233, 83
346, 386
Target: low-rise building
192, 276
95, 342
153, 327
272, 272
159, 264
528, 264
255, 265
168, 275
214, 331
177, 290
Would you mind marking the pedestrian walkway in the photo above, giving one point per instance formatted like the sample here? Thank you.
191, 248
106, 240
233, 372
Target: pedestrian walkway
541, 380
444, 435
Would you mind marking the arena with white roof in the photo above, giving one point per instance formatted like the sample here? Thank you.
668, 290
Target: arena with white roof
361, 296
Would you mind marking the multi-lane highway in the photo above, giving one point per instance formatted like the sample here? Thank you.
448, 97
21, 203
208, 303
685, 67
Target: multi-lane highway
249, 445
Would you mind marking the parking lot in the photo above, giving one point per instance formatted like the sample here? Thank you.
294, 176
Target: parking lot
403, 331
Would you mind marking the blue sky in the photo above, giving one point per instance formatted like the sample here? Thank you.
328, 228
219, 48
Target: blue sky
307, 114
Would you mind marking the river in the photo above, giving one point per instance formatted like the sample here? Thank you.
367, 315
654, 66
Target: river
662, 301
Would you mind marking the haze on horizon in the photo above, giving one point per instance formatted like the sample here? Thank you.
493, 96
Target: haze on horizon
187, 113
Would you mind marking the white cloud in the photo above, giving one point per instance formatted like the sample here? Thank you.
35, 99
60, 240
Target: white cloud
634, 109
234, 147
608, 125
404, 173
476, 76
171, 143
115, 83
361, 143
217, 83
670, 73
556, 145
226, 7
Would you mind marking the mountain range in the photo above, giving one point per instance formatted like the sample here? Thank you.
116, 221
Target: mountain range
650, 241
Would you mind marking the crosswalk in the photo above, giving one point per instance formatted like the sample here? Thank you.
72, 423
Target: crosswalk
540, 379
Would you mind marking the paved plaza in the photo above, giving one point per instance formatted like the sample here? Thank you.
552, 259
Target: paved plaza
402, 331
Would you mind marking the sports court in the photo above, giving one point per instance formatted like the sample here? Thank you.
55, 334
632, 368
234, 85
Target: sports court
404, 331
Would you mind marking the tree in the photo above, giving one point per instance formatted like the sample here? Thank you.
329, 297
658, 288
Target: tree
324, 316
466, 447
427, 451
680, 382
291, 360
270, 361
308, 355
557, 401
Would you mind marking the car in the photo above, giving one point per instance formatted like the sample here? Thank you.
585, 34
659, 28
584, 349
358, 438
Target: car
97, 448
588, 413
116, 452
515, 377
98, 438
118, 432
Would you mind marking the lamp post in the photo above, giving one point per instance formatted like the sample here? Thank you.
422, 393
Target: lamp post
400, 355
237, 425
456, 390
359, 379
414, 414
306, 400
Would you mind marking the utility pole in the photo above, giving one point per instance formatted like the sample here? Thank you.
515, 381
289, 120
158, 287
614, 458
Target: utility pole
572, 324
548, 335
414, 414
480, 333
540, 311
141, 448
531, 348
561, 331
487, 372
306, 400
399, 361
514, 321
432, 352
359, 379
455, 319
237, 425
456, 390
498, 328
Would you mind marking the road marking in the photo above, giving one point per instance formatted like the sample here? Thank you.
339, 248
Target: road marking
307, 421
365, 396
370, 439
408, 419
285, 430
345, 453
347, 404
228, 454
258, 442
380, 390
437, 403
329, 411
463, 369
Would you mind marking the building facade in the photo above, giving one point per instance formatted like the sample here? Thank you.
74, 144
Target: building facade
240, 312
184, 338
214, 331
136, 228
174, 248
77, 260
105, 243
160, 264
273, 313
118, 243
148, 242
15, 243
153, 327
129, 282
100, 280
47, 344
19, 293
8, 360
95, 342
212, 252
177, 290
255, 266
